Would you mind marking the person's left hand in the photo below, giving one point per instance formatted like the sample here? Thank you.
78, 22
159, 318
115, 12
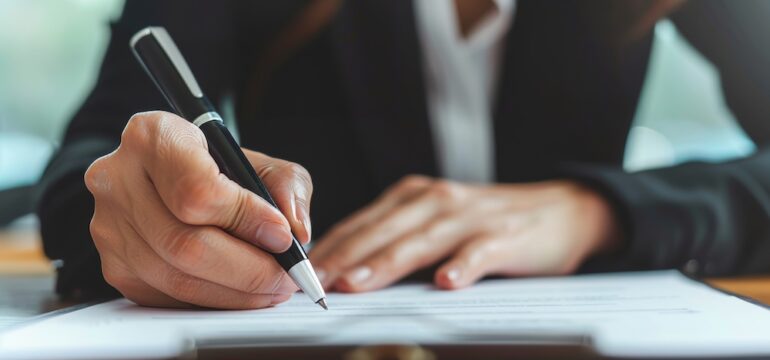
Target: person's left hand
546, 228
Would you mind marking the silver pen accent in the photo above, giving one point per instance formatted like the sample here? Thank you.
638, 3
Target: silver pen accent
168, 45
306, 279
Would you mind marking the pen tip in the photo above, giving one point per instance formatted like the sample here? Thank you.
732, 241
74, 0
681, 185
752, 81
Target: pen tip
322, 302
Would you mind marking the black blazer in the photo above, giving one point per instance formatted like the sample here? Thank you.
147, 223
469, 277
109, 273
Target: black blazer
350, 106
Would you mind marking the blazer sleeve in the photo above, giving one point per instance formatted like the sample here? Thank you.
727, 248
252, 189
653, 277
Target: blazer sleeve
203, 32
705, 218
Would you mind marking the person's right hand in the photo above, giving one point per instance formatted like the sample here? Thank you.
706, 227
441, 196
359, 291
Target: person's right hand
172, 231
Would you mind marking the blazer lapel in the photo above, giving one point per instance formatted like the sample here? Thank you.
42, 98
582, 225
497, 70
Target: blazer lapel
381, 68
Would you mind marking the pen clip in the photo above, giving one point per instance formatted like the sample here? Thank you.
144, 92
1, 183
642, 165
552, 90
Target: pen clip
164, 40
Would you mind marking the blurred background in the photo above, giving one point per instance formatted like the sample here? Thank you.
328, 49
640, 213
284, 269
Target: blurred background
49, 62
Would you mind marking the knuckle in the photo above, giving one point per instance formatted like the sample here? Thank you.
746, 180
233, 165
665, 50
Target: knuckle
95, 229
186, 248
445, 189
435, 229
158, 129
112, 277
410, 182
97, 176
448, 192
140, 128
99, 232
181, 286
392, 256
192, 201
297, 170
486, 248
411, 252
175, 134
298, 173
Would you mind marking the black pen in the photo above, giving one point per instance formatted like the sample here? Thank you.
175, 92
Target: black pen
164, 63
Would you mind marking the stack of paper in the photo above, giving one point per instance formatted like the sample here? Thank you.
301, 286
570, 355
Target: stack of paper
651, 314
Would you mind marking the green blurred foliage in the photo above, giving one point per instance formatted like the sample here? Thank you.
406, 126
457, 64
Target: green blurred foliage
50, 52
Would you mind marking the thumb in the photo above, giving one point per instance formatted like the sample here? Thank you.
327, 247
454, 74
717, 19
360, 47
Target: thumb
192, 187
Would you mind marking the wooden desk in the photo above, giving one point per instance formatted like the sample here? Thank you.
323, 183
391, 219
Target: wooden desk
21, 253
755, 287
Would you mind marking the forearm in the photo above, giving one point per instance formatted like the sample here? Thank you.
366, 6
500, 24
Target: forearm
708, 219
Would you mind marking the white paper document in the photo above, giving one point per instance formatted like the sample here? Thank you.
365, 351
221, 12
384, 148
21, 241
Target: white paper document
646, 314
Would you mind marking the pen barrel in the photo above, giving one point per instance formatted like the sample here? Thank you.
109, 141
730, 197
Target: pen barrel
233, 163
162, 60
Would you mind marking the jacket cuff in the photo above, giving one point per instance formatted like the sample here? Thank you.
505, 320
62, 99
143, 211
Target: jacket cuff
651, 228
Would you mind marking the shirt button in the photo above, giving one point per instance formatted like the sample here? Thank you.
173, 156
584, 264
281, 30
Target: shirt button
691, 267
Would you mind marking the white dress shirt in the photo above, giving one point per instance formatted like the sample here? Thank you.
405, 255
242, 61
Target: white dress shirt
460, 76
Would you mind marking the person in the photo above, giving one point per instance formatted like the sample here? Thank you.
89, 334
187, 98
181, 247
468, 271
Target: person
471, 138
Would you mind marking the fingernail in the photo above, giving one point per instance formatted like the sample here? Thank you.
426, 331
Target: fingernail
273, 237
453, 275
359, 275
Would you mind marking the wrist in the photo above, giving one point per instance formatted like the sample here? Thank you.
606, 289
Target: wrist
601, 228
